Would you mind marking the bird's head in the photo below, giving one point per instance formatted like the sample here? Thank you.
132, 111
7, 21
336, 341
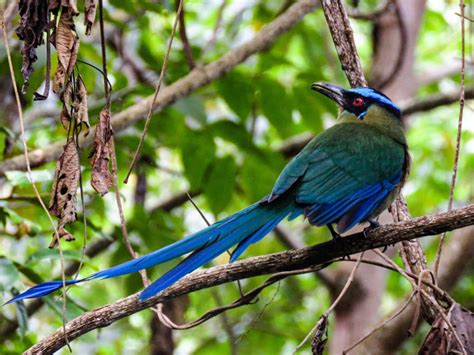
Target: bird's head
357, 100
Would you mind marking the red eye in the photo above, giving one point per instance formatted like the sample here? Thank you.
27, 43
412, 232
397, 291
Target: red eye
358, 101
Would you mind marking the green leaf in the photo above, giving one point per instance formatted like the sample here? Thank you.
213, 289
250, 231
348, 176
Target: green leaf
8, 273
3, 215
310, 107
54, 254
20, 178
258, 176
238, 92
234, 133
198, 152
7, 213
28, 272
220, 184
22, 317
276, 105
168, 127
192, 106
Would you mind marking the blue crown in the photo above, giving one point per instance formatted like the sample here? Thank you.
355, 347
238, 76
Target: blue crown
377, 96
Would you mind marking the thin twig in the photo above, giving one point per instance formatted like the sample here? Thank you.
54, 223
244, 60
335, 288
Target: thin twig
260, 314
84, 217
108, 91
421, 291
29, 172
334, 304
459, 134
217, 26
381, 325
164, 67
246, 299
197, 209
188, 53
226, 323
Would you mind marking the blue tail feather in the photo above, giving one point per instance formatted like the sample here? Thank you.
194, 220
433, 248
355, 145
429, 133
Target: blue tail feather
43, 289
242, 229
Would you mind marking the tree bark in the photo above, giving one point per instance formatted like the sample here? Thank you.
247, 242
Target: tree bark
355, 317
458, 257
309, 258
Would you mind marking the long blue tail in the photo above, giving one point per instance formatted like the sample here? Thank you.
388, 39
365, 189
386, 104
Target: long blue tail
242, 229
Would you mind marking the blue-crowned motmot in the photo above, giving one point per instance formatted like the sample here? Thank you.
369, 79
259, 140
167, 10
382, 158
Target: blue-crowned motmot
346, 175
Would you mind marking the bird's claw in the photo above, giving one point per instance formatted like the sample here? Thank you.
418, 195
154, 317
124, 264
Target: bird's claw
373, 224
334, 234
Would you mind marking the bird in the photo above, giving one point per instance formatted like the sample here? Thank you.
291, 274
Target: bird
345, 176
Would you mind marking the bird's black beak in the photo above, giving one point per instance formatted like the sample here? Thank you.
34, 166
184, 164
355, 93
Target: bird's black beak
334, 92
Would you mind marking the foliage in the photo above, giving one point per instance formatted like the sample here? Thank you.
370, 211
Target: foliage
221, 141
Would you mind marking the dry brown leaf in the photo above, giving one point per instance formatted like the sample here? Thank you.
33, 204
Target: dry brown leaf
321, 337
440, 340
66, 179
66, 113
59, 78
65, 118
80, 103
66, 42
54, 6
63, 233
33, 23
101, 153
71, 6
89, 16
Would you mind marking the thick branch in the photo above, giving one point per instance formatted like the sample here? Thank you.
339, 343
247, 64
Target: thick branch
183, 87
341, 32
290, 260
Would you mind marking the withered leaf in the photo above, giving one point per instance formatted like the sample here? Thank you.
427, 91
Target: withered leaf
321, 337
54, 6
101, 153
80, 103
63, 233
65, 118
71, 6
89, 16
66, 42
66, 179
33, 23
59, 79
440, 340
66, 113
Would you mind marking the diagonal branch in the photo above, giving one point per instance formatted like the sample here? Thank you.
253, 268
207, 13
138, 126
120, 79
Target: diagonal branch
286, 261
289, 148
342, 36
183, 87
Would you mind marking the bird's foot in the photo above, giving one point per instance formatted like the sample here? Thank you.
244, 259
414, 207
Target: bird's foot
334, 234
373, 224
336, 237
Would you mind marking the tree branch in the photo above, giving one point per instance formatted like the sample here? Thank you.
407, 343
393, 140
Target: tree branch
342, 36
436, 100
285, 261
459, 255
183, 87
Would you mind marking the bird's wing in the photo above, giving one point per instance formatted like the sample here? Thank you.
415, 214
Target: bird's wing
344, 166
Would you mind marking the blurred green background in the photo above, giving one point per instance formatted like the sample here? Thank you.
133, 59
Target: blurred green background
221, 143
